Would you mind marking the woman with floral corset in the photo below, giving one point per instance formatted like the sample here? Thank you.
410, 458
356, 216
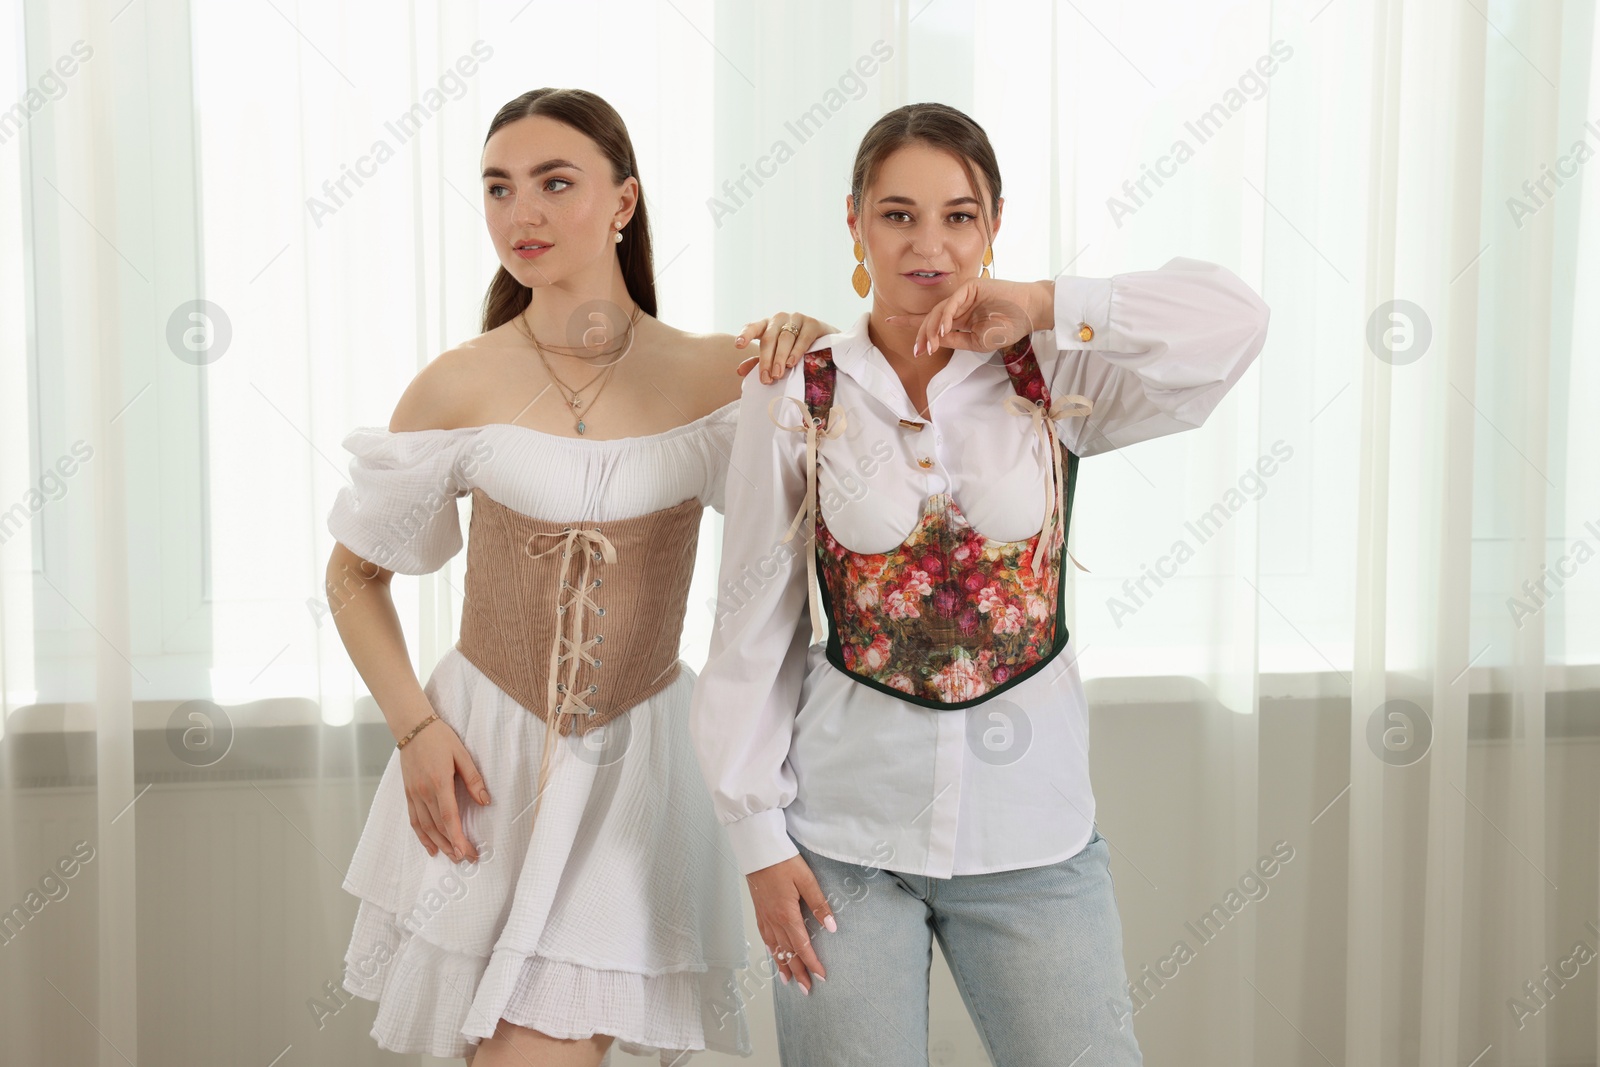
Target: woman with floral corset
891, 721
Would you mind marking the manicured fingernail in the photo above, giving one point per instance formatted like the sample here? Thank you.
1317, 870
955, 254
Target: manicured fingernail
832, 926
805, 990
822, 978
783, 977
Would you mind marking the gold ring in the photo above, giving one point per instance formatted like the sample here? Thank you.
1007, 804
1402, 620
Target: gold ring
789, 327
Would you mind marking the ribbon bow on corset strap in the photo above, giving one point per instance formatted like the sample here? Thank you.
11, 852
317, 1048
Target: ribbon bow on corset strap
813, 428
1044, 422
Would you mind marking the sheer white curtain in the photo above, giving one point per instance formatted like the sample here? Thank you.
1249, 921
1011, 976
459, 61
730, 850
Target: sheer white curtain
1351, 625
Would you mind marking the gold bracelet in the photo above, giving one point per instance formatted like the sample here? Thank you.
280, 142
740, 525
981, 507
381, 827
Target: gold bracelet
415, 729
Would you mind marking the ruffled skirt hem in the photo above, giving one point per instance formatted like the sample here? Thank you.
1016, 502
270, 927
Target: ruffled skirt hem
442, 1002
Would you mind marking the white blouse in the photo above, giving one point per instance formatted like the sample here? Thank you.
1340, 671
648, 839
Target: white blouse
792, 746
400, 509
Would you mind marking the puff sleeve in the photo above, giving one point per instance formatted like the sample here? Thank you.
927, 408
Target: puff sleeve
741, 717
1165, 346
718, 446
399, 510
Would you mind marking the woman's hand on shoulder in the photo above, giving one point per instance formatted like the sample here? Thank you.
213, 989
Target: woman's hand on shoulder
983, 314
781, 348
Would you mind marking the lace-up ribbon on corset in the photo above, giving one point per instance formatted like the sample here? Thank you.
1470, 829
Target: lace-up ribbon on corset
1032, 399
543, 598
814, 427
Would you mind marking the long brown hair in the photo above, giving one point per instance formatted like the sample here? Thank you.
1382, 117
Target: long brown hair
941, 126
594, 118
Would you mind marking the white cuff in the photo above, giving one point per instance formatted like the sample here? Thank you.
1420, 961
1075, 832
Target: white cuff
1083, 302
760, 840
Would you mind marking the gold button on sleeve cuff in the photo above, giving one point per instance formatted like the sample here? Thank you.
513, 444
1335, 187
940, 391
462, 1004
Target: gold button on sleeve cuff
1083, 313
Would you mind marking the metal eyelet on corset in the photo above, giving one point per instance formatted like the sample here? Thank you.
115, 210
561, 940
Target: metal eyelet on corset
597, 583
599, 639
594, 689
561, 687
599, 611
597, 662
597, 556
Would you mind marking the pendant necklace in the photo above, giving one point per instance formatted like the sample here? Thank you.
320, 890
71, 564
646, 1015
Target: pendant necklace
574, 397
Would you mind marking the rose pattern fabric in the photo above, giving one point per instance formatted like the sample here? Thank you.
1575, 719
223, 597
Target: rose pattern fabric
948, 615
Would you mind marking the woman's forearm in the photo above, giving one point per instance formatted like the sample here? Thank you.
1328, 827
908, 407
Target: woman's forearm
364, 613
1042, 308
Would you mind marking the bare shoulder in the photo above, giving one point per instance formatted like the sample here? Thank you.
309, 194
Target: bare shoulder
448, 393
701, 369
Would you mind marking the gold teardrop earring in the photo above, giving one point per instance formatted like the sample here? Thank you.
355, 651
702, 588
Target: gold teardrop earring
988, 258
861, 279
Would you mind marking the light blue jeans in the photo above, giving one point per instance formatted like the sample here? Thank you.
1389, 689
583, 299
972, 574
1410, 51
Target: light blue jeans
1036, 954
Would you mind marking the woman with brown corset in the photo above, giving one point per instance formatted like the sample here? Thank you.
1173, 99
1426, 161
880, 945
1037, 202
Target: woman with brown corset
540, 873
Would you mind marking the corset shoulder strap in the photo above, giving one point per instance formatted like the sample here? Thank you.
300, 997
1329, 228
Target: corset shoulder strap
1023, 368
820, 376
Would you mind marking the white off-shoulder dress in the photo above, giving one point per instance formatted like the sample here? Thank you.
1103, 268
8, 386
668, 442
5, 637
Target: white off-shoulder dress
622, 913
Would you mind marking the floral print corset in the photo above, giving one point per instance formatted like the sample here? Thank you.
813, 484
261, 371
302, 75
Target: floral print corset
950, 618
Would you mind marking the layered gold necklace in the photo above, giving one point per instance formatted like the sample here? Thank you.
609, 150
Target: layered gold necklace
575, 397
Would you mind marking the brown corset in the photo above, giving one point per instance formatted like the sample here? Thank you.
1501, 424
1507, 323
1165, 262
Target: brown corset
581, 620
